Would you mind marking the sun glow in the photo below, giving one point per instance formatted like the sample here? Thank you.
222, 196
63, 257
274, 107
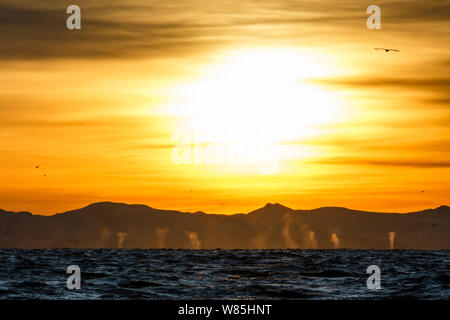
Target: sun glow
260, 96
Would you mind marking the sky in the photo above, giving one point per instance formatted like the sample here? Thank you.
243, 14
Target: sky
315, 116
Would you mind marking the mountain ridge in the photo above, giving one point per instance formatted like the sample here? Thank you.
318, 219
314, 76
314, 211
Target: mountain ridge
270, 206
275, 226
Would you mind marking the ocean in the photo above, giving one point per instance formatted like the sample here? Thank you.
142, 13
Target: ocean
224, 274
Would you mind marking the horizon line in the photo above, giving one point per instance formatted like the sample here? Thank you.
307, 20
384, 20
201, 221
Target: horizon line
268, 204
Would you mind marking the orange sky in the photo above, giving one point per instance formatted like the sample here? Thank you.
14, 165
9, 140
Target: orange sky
96, 109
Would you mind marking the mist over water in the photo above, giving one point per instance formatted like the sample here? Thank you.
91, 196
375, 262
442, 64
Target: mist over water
391, 240
121, 236
335, 240
161, 234
274, 226
193, 239
290, 242
312, 239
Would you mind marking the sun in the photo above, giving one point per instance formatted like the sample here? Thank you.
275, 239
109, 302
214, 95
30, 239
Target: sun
260, 96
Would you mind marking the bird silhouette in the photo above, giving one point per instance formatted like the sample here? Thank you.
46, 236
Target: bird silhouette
387, 50
37, 167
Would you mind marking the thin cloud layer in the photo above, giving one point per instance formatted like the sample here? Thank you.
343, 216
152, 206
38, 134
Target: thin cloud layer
122, 29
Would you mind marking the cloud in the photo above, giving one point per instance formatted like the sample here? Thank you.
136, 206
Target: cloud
403, 11
66, 123
364, 144
120, 29
40, 33
434, 87
384, 162
383, 82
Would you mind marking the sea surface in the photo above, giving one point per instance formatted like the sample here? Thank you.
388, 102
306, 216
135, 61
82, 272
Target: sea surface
224, 274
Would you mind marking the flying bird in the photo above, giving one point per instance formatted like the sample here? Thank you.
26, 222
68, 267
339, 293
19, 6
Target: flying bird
387, 50
37, 167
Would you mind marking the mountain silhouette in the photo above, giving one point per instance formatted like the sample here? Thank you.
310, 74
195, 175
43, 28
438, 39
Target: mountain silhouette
119, 225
